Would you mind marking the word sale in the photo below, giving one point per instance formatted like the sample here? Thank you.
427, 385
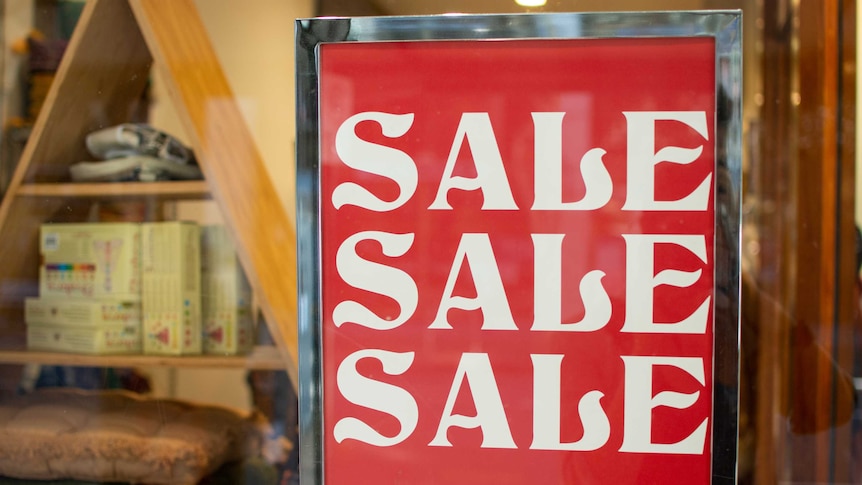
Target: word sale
645, 269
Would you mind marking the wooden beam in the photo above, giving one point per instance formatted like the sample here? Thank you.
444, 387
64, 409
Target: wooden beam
258, 222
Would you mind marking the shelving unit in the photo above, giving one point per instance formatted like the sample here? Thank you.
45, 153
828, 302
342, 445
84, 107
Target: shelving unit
262, 358
103, 74
122, 190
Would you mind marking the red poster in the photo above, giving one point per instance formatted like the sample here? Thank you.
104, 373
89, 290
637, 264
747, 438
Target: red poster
517, 261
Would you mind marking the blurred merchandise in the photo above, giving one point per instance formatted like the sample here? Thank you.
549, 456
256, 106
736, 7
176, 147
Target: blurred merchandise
137, 139
133, 168
135, 152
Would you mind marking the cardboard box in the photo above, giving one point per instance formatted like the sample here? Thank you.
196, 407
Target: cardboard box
226, 296
81, 313
171, 296
101, 260
105, 340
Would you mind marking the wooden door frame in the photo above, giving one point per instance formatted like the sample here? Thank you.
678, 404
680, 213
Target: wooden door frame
806, 284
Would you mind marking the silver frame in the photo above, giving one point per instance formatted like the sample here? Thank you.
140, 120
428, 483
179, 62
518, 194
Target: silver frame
724, 25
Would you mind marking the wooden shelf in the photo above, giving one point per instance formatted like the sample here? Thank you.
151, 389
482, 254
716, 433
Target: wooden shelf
262, 358
116, 48
171, 190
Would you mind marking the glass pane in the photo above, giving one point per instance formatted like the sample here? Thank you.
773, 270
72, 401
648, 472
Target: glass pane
796, 402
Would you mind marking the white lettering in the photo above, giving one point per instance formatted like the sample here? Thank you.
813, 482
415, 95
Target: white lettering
490, 414
491, 178
640, 283
490, 294
377, 159
640, 402
546, 410
376, 278
548, 167
376, 395
548, 290
642, 159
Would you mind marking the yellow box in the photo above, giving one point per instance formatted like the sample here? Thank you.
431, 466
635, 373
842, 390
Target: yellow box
81, 313
100, 260
226, 296
105, 340
171, 294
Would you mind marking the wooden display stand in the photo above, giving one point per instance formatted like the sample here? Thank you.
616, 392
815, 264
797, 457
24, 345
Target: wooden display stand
104, 72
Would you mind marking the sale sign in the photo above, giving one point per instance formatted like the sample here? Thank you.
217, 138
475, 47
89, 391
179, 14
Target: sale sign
517, 264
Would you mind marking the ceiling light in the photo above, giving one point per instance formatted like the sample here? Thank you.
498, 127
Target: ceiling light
530, 3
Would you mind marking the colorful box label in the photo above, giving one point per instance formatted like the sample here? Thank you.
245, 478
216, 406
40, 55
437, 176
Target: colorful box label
90, 261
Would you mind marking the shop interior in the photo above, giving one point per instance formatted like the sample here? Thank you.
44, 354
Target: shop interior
800, 295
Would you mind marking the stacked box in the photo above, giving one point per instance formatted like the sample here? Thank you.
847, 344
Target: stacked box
99, 260
100, 340
83, 326
78, 313
171, 296
89, 287
226, 296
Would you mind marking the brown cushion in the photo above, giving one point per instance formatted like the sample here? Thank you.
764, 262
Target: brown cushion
121, 437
